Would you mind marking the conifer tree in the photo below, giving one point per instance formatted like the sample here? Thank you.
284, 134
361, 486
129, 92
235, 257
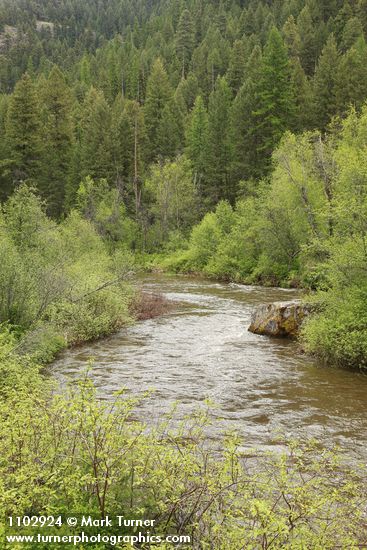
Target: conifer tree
236, 69
170, 131
344, 14
328, 8
185, 39
219, 145
131, 76
159, 93
214, 63
23, 133
302, 90
96, 137
351, 86
85, 72
247, 162
292, 37
362, 14
58, 137
325, 102
186, 92
276, 105
353, 30
196, 140
129, 150
309, 43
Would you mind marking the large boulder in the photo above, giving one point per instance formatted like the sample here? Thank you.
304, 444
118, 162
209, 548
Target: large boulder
280, 319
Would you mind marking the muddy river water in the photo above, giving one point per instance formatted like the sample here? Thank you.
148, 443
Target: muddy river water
202, 349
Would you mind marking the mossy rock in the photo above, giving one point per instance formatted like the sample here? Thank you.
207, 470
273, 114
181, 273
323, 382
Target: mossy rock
279, 319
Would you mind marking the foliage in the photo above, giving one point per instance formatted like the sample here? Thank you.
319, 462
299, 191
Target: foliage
104, 208
122, 125
57, 274
338, 332
306, 227
78, 453
106, 89
173, 193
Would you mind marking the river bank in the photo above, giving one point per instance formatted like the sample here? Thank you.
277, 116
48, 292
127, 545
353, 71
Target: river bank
93, 447
202, 349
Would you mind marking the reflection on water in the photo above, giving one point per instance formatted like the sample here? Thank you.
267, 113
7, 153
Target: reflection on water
202, 349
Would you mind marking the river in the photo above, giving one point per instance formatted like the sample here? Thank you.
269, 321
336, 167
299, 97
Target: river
202, 349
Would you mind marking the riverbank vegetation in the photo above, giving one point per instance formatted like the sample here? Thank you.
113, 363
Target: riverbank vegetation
304, 226
73, 452
59, 284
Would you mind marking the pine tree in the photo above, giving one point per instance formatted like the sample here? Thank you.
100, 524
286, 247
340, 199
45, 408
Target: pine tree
309, 43
362, 14
74, 172
96, 138
236, 69
325, 102
351, 86
341, 19
214, 63
85, 72
302, 91
185, 39
159, 93
292, 37
114, 80
276, 105
186, 92
58, 136
23, 133
219, 145
196, 140
247, 162
328, 8
170, 131
353, 31
131, 76
210, 59
129, 151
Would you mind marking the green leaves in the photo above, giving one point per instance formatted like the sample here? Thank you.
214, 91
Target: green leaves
76, 452
58, 281
173, 192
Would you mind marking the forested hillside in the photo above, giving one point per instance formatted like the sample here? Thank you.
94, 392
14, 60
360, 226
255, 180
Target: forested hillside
105, 89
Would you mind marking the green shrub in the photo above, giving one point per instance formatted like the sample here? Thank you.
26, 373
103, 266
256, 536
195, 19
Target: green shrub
92, 316
42, 343
338, 334
62, 276
16, 373
78, 453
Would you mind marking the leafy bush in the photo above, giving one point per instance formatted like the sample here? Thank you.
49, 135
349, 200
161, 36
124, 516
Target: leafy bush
104, 208
58, 283
338, 334
89, 456
16, 372
173, 196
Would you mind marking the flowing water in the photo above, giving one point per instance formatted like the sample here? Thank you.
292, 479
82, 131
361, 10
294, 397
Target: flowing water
202, 349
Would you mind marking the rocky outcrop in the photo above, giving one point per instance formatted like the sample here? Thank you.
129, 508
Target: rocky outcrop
279, 319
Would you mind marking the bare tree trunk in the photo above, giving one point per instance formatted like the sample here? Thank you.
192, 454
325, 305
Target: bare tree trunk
327, 177
137, 190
